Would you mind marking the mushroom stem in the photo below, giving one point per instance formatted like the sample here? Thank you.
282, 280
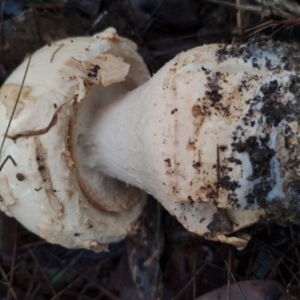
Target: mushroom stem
157, 138
129, 139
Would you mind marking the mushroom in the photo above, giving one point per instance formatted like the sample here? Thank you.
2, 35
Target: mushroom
213, 136
43, 182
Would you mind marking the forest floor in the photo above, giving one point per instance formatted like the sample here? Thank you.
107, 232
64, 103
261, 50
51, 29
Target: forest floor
162, 260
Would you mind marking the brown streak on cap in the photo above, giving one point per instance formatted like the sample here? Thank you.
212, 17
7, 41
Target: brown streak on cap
53, 201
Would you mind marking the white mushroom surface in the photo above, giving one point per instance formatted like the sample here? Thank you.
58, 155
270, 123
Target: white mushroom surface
213, 136
47, 191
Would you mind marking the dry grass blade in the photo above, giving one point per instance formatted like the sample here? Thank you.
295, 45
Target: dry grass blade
10, 287
282, 25
187, 285
12, 269
52, 57
66, 268
150, 20
5, 160
53, 6
237, 284
80, 277
286, 9
103, 290
244, 7
229, 273
296, 248
36, 244
282, 8
44, 273
35, 291
137, 27
32, 283
1, 30
271, 274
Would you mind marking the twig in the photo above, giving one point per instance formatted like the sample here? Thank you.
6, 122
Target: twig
85, 274
44, 274
103, 289
66, 268
31, 283
35, 244
37, 287
239, 21
5, 160
251, 260
1, 32
249, 8
149, 21
187, 285
296, 249
6, 279
158, 223
229, 273
279, 261
237, 284
45, 6
137, 27
52, 57
12, 267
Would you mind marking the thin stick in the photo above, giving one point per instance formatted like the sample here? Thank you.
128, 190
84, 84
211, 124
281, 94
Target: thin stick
270, 276
136, 25
83, 275
296, 249
190, 281
5, 160
1, 32
262, 10
148, 22
52, 57
263, 25
102, 288
158, 224
239, 21
194, 270
36, 289
6, 279
229, 273
32, 282
12, 267
44, 274
15, 106
218, 170
237, 284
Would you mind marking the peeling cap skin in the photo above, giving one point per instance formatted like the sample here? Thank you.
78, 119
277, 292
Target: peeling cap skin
213, 136
43, 183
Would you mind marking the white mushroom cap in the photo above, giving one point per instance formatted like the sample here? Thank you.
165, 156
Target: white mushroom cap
47, 190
